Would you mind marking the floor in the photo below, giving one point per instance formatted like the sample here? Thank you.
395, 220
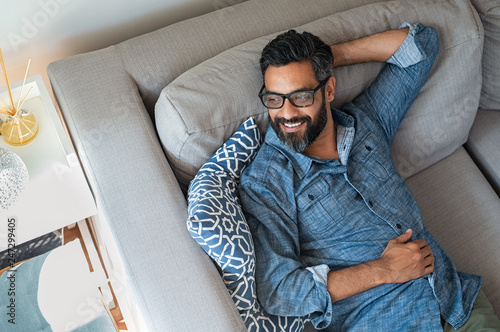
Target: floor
73, 233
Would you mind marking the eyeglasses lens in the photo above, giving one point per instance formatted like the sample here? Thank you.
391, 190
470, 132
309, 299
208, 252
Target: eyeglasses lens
298, 99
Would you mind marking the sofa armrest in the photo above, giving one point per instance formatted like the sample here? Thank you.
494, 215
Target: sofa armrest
140, 198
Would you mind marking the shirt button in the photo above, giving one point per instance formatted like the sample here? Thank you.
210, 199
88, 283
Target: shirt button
370, 203
311, 197
399, 226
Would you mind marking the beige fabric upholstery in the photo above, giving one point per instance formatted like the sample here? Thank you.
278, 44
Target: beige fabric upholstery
199, 110
462, 212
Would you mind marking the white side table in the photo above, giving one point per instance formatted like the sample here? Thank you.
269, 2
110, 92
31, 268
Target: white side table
57, 193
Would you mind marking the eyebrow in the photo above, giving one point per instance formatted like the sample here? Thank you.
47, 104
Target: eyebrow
298, 90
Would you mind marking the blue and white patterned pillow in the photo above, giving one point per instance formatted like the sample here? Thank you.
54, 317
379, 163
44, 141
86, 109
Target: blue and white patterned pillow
217, 223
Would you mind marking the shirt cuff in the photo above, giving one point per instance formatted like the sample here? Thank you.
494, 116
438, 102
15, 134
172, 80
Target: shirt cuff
321, 320
320, 273
408, 53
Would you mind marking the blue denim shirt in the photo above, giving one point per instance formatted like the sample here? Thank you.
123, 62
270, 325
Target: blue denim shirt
309, 216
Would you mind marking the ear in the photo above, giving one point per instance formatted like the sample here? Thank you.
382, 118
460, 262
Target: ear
330, 89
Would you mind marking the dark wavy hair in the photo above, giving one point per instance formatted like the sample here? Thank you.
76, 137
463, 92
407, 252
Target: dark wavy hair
292, 46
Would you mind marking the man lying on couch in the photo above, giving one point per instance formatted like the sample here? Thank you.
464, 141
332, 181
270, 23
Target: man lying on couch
337, 232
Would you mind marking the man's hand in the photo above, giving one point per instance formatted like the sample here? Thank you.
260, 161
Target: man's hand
400, 262
404, 261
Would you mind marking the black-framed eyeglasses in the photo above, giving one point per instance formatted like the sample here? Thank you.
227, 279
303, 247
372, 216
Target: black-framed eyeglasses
303, 98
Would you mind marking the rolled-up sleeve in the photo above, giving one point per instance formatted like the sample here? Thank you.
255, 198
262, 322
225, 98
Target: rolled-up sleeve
408, 53
284, 286
391, 94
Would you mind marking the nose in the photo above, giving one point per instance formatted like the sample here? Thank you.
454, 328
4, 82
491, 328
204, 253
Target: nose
288, 111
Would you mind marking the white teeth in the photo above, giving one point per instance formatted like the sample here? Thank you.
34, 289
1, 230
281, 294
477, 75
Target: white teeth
289, 125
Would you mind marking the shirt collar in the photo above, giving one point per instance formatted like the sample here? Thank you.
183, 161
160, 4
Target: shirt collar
301, 163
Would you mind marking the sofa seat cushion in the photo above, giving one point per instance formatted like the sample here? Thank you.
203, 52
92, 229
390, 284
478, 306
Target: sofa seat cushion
199, 110
462, 211
216, 221
483, 145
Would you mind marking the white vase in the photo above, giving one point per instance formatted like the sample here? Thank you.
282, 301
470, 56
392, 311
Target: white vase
14, 177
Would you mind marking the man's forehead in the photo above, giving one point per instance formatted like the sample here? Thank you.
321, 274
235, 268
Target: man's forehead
289, 78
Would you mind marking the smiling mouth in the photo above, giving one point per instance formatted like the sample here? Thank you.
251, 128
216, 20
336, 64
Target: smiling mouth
290, 127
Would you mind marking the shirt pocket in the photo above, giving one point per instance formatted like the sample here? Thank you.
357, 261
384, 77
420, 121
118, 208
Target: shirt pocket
366, 153
313, 217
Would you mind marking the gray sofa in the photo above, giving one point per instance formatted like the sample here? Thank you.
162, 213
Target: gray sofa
146, 114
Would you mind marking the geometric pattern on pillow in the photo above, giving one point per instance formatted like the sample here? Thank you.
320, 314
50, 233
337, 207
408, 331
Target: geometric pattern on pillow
216, 220
217, 223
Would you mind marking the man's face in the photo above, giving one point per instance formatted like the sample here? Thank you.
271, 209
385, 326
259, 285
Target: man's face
296, 127
300, 140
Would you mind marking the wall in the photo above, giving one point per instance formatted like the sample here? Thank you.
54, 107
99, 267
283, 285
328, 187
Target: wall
48, 30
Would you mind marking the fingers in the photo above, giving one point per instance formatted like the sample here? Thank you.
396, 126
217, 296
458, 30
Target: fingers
423, 256
420, 247
403, 238
422, 261
421, 243
429, 261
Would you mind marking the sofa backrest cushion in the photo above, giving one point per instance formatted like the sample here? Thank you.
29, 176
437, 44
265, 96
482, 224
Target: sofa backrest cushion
489, 12
155, 59
199, 110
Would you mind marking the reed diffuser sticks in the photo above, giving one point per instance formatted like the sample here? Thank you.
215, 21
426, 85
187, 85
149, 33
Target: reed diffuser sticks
13, 108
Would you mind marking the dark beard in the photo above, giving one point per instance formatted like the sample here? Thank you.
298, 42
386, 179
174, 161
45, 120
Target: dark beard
313, 128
